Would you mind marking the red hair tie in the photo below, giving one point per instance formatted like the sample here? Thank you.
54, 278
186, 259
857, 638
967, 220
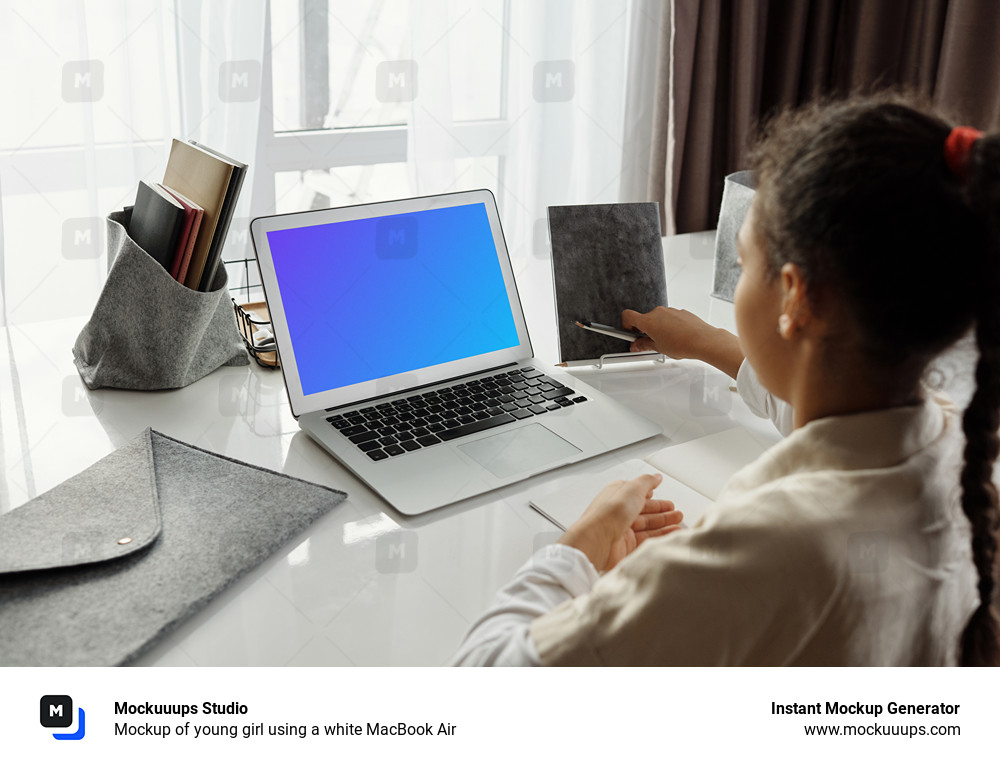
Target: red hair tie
958, 148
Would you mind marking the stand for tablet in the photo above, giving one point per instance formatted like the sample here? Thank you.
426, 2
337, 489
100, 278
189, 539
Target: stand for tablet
605, 359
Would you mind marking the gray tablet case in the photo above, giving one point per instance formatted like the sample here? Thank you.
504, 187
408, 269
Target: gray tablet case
605, 258
737, 194
98, 569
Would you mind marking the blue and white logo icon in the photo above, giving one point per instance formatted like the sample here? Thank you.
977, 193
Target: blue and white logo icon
57, 711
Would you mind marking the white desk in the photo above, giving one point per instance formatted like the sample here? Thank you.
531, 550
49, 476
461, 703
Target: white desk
324, 598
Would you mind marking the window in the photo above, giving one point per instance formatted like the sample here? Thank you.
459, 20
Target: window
341, 108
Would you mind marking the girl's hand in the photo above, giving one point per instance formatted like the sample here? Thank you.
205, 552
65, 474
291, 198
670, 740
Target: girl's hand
682, 335
622, 516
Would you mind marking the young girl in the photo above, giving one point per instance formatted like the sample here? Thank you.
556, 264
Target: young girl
872, 245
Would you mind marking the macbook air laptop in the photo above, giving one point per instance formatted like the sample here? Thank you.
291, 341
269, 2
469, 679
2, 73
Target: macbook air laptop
406, 355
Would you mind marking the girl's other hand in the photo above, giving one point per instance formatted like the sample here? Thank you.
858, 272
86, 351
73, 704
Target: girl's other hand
622, 516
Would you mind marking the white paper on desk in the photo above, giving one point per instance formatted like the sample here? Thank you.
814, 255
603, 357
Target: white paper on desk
706, 464
567, 503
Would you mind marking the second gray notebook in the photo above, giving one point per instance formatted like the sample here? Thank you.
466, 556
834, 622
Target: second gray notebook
605, 258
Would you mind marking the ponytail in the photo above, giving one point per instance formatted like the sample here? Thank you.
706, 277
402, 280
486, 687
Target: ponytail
981, 639
980, 644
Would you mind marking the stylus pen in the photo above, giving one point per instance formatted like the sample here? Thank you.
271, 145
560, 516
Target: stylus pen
607, 330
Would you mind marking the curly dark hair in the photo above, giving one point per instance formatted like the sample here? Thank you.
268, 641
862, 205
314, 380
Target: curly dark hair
858, 194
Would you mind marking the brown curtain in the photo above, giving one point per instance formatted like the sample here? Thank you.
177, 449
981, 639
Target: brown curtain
736, 61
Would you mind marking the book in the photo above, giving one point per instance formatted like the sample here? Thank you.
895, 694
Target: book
605, 258
226, 217
694, 474
156, 223
203, 178
193, 214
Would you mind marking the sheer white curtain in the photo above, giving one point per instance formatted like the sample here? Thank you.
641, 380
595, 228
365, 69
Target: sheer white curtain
647, 90
221, 57
93, 91
561, 136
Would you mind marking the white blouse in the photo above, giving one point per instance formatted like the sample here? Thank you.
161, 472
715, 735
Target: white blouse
844, 544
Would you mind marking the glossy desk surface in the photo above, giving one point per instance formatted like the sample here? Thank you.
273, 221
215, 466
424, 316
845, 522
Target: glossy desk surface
331, 596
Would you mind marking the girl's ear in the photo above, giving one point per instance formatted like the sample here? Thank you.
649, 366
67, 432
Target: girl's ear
796, 309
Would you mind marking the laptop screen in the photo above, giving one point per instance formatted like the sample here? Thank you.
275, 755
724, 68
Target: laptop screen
374, 297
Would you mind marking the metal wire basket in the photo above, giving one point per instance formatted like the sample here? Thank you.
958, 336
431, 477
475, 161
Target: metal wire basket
251, 319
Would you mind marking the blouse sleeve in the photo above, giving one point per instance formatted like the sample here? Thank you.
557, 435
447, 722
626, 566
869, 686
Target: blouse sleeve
761, 402
727, 593
552, 576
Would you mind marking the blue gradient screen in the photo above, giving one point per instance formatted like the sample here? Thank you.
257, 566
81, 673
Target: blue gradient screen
375, 297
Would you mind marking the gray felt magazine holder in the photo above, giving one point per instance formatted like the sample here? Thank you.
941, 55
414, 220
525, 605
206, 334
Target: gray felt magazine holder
148, 331
737, 194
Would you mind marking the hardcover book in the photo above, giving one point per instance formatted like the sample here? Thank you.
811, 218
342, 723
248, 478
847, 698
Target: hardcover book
193, 213
225, 216
203, 178
157, 223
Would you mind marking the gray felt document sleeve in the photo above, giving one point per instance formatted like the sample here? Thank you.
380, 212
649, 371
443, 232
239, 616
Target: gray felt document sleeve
98, 569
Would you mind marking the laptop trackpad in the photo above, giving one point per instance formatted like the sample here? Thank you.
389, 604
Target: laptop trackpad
518, 450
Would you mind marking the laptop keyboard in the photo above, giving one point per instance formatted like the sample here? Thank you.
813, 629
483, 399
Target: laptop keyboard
411, 423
